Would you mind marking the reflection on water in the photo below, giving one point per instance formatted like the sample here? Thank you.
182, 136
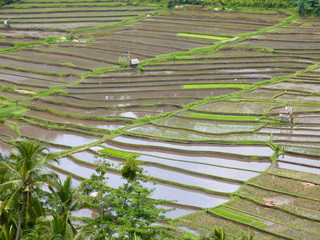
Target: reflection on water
299, 168
300, 159
182, 195
184, 178
200, 163
56, 136
203, 168
243, 150
4, 148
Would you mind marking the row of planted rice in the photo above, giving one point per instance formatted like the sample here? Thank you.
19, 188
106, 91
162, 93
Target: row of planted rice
283, 202
57, 15
54, 119
188, 141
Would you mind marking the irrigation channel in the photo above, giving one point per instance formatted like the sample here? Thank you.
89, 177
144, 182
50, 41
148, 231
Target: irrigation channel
202, 113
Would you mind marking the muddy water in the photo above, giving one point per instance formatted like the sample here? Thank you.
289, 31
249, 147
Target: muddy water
241, 150
165, 172
44, 77
5, 130
135, 113
27, 80
291, 131
55, 58
16, 32
302, 86
297, 138
238, 107
196, 136
298, 98
300, 160
308, 150
191, 161
260, 93
229, 66
90, 123
182, 195
85, 156
207, 125
39, 66
313, 119
149, 95
302, 146
209, 169
57, 136
277, 44
73, 167
211, 184
189, 179
4, 148
299, 168
124, 103
178, 212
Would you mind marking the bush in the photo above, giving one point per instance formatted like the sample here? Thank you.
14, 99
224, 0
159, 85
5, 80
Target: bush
308, 7
123, 62
6, 2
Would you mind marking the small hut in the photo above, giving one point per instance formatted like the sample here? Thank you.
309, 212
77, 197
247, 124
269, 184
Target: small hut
134, 63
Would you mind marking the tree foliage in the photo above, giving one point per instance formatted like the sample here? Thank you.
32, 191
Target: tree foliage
308, 7
6, 2
125, 212
22, 174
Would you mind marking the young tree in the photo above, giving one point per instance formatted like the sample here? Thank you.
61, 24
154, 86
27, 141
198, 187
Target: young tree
127, 211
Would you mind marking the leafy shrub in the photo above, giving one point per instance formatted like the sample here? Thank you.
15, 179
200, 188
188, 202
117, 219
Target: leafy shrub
308, 7
6, 2
123, 62
6, 112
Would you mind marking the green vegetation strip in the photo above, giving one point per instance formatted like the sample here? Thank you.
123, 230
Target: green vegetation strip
217, 85
222, 212
218, 45
118, 153
202, 36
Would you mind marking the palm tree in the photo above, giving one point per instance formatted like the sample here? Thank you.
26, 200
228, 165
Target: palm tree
58, 227
67, 199
26, 170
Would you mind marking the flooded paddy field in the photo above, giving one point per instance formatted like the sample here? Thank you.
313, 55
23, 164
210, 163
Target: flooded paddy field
207, 125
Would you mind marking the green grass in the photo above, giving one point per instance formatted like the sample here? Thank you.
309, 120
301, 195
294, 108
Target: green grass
118, 153
202, 36
6, 112
226, 214
217, 85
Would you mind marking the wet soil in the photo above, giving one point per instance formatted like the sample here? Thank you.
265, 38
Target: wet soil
90, 123
53, 58
39, 66
207, 125
238, 107
144, 95
57, 136
241, 150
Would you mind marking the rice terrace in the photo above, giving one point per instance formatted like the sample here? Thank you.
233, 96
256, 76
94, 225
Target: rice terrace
222, 110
